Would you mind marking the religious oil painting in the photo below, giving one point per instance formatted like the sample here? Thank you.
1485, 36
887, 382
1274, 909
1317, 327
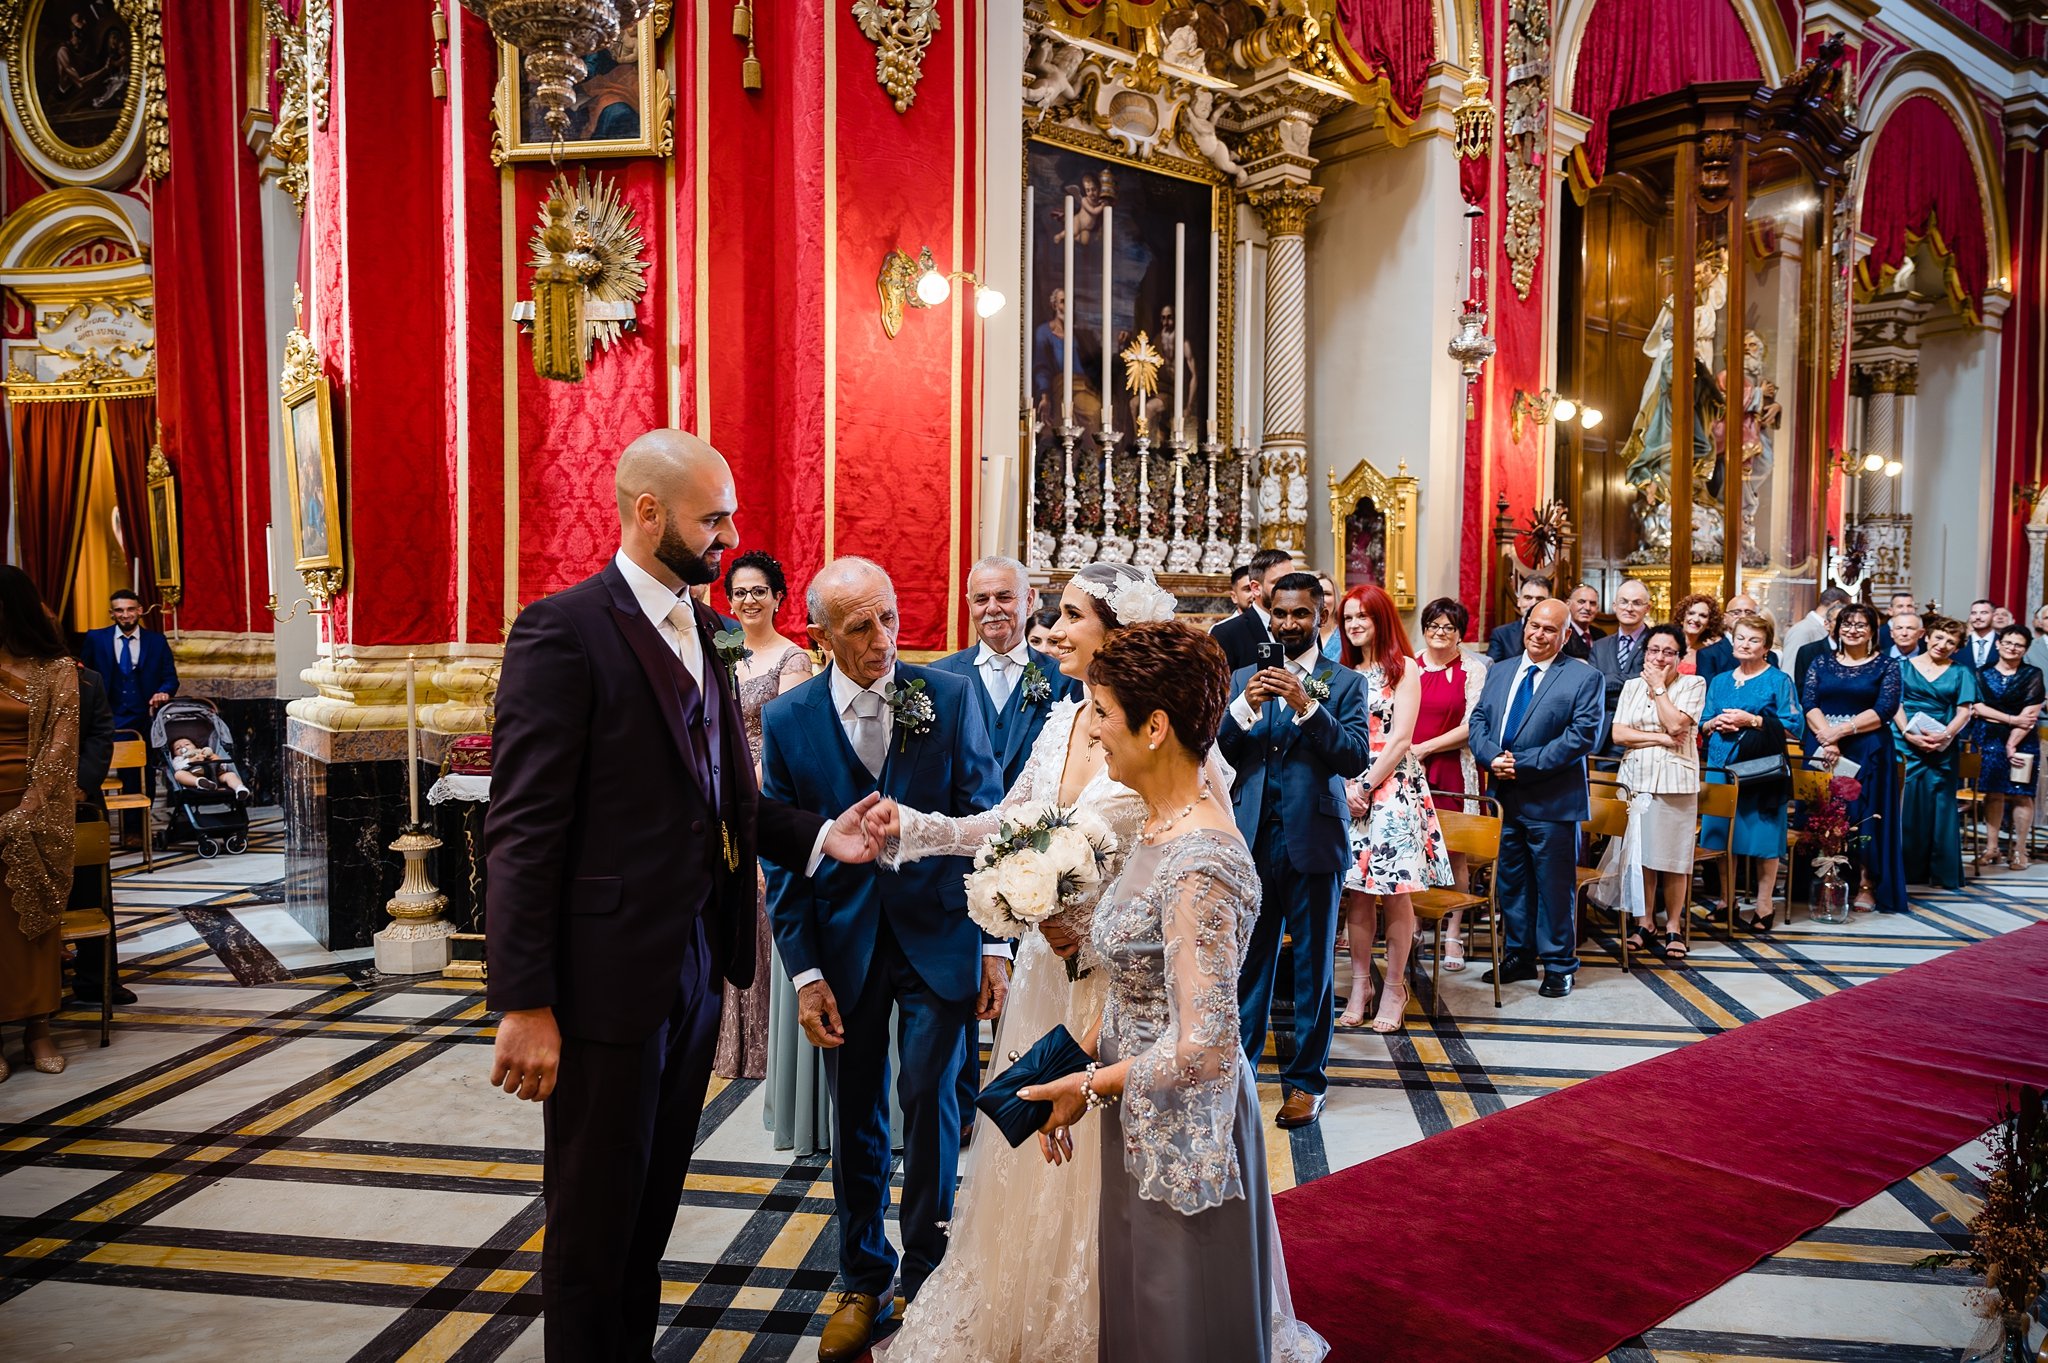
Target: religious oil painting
621, 105
163, 530
1125, 213
81, 61
310, 470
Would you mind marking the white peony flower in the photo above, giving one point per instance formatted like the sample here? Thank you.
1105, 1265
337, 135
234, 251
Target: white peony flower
985, 906
1028, 884
1073, 857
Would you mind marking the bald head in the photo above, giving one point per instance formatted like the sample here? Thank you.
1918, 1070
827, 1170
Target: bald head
853, 617
676, 507
1543, 631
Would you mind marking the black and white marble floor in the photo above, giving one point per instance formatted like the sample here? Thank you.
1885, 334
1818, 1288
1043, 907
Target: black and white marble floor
283, 1154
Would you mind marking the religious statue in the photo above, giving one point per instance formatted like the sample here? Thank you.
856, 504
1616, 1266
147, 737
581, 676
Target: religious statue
1056, 68
1199, 118
1761, 416
1648, 448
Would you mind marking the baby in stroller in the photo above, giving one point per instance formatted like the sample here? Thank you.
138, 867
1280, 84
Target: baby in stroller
198, 768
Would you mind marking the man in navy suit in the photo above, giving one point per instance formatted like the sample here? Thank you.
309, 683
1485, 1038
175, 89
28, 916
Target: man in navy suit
140, 674
863, 942
1242, 633
1295, 733
1506, 641
1014, 687
1537, 720
623, 829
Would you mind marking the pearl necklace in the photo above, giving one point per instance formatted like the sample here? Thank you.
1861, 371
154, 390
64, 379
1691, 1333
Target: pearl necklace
1150, 835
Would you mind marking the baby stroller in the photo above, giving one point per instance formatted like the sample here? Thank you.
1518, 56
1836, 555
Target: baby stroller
215, 818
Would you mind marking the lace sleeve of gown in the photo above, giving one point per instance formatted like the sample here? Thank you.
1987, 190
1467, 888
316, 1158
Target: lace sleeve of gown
940, 835
1180, 1096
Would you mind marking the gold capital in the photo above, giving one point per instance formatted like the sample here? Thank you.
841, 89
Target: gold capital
1285, 207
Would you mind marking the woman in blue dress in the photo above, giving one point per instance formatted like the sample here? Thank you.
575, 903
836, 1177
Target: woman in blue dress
2012, 692
1849, 697
1738, 701
1937, 701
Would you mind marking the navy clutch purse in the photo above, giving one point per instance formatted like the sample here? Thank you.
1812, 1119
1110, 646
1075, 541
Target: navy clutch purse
1055, 1055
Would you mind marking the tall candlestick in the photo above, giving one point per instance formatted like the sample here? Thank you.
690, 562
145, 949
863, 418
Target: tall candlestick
1180, 318
1108, 333
1030, 222
412, 739
1215, 328
1067, 319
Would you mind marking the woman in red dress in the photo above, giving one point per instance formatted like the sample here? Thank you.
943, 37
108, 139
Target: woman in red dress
1451, 679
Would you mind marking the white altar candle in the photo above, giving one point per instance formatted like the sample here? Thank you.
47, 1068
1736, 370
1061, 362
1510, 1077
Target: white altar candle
1024, 379
1244, 347
412, 740
135, 573
1180, 317
270, 559
1067, 320
1108, 336
1215, 329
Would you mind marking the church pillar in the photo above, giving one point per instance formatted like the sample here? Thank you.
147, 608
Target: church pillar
1884, 370
1284, 206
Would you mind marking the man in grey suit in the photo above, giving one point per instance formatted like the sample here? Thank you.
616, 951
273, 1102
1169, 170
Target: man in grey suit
1537, 720
1619, 656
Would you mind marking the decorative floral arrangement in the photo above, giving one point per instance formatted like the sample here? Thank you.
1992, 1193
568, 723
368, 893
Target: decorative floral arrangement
1041, 860
1037, 690
913, 710
2009, 1234
731, 647
1317, 686
1825, 824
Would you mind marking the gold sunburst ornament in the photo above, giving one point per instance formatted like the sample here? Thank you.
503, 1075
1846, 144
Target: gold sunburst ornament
1142, 363
589, 273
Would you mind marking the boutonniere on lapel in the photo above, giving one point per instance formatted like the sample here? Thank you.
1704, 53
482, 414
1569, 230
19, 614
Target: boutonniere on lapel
1317, 686
731, 647
1037, 690
913, 710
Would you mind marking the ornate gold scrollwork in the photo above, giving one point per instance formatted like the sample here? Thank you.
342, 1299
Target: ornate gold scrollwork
901, 31
1285, 207
1396, 498
289, 140
144, 96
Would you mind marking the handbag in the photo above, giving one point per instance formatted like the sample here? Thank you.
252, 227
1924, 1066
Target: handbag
1759, 758
2022, 770
1055, 1056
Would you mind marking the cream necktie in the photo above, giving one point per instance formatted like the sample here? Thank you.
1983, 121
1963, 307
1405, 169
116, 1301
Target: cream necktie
689, 648
999, 665
870, 743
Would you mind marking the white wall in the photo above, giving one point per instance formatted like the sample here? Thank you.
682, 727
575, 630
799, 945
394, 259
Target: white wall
296, 640
1387, 252
1949, 475
1002, 216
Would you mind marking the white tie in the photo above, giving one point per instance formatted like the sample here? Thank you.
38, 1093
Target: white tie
682, 623
1000, 685
865, 729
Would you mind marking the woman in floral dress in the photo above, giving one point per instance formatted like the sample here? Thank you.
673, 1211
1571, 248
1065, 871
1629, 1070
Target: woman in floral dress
1394, 832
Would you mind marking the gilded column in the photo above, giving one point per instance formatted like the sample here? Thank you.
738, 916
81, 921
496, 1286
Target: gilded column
1283, 458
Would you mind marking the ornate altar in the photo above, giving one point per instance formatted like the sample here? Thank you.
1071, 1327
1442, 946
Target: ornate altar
1703, 310
1372, 530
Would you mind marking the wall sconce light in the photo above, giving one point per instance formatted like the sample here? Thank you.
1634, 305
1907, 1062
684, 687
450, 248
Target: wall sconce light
1549, 406
920, 283
1893, 468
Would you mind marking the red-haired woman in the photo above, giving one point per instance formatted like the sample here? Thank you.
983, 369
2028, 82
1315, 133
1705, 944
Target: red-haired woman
1394, 831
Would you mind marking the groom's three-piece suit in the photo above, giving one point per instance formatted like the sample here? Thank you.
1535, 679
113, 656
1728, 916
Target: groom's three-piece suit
617, 901
886, 941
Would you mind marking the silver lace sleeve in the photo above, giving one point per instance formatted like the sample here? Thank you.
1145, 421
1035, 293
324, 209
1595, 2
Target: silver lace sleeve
1180, 1095
938, 835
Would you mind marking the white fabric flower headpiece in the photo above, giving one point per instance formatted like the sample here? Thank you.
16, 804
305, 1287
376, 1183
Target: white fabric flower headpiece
1134, 600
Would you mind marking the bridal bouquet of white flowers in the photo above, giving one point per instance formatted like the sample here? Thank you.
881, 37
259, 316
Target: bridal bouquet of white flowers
1041, 859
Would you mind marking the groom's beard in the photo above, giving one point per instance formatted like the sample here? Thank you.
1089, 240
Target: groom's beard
696, 570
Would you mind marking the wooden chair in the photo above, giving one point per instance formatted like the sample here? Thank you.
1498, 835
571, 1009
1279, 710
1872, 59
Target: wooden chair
1609, 819
1717, 801
93, 854
1476, 837
131, 753
1970, 808
1808, 787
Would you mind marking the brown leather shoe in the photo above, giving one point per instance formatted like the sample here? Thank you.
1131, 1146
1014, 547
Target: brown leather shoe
852, 1327
1299, 1110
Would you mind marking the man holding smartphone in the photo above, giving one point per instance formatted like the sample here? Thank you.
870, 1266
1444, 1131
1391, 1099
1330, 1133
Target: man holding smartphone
1295, 733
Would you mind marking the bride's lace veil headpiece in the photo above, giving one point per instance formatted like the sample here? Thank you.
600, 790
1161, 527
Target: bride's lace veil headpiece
1133, 595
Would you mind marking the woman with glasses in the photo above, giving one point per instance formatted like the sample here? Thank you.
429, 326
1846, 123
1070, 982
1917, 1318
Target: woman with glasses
2009, 737
1850, 696
755, 588
1656, 726
1450, 679
1937, 702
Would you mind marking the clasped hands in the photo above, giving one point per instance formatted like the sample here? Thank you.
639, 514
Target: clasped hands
1277, 683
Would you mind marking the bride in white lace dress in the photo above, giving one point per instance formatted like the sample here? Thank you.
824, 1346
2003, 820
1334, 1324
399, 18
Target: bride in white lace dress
1018, 1281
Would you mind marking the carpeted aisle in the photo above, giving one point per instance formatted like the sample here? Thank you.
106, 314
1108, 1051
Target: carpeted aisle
1559, 1228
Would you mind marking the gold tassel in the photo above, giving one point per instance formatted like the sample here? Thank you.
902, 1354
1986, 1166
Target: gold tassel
558, 302
750, 72
742, 20
439, 75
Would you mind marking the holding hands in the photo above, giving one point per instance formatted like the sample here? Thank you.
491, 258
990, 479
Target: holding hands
847, 840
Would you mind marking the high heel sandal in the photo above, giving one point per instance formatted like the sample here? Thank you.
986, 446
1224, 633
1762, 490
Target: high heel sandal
52, 1064
1348, 1020
1454, 954
1384, 1024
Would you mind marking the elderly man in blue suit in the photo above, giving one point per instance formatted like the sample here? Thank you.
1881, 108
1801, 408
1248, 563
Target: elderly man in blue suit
1295, 733
861, 942
1537, 720
1014, 687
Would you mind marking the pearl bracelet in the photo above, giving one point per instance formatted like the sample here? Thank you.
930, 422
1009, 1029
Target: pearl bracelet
1090, 1097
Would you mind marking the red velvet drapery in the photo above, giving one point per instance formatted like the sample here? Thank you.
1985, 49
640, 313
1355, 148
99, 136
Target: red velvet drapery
49, 463
130, 424
1397, 39
1920, 177
1635, 50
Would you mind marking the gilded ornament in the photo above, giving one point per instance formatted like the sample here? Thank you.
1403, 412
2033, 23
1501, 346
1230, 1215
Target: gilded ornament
139, 122
1285, 207
289, 139
552, 37
601, 254
901, 30
1473, 117
301, 365
145, 20
1527, 66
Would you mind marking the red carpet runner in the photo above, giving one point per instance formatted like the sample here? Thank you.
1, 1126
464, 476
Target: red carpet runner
1559, 1228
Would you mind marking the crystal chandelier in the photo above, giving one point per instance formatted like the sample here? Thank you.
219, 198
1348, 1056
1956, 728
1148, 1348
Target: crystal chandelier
554, 36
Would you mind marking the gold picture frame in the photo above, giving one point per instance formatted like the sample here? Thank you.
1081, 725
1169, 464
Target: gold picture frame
309, 466
520, 136
166, 549
1394, 504
81, 79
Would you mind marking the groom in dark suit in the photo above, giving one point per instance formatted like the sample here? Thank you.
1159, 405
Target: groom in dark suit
1296, 732
623, 829
1538, 718
861, 943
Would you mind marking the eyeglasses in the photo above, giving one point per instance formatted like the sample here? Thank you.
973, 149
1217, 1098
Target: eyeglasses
1440, 627
750, 594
